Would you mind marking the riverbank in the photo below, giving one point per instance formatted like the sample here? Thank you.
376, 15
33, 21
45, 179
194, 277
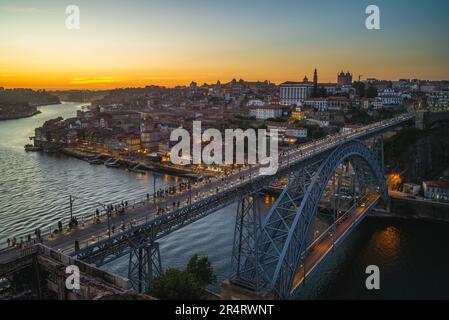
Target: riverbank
130, 163
399, 208
19, 116
35, 193
23, 103
414, 209
15, 112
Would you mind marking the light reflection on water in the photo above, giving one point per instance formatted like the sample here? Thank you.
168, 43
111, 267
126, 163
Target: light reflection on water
35, 187
34, 192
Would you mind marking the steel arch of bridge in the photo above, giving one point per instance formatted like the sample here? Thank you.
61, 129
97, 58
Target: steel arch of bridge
282, 239
118, 245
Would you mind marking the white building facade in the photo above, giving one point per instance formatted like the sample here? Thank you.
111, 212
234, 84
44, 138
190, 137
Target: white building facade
438, 101
320, 104
436, 190
295, 92
265, 112
390, 97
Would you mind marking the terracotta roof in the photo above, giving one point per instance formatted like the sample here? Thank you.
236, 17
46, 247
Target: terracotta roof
266, 107
443, 184
296, 83
339, 98
316, 99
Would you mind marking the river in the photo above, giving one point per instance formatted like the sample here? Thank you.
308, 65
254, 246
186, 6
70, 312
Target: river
35, 189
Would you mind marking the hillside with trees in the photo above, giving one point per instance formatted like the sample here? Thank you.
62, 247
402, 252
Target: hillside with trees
21, 103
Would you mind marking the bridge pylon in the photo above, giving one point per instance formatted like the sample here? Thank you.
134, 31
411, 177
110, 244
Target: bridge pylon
245, 250
377, 148
303, 225
144, 265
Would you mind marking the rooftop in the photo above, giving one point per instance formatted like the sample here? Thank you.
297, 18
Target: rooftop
266, 107
443, 184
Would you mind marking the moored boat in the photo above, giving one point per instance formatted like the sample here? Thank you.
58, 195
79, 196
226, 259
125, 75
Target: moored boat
137, 170
30, 147
95, 161
113, 163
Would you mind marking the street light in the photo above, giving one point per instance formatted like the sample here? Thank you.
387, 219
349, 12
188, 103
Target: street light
154, 188
72, 200
190, 193
109, 224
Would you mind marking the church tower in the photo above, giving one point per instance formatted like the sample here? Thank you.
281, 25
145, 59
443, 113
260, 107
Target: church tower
315, 83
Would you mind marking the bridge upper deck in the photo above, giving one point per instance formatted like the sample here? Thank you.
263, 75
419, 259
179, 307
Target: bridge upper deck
144, 215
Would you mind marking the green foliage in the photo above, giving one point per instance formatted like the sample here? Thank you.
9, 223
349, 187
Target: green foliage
278, 119
189, 284
362, 91
360, 117
176, 284
321, 93
244, 122
315, 132
26, 97
241, 117
201, 269
359, 88
371, 92
388, 114
397, 146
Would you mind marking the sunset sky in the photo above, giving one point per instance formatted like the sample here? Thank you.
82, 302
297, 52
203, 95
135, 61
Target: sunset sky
125, 43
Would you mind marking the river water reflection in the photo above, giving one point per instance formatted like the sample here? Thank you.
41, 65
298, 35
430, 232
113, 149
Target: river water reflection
35, 189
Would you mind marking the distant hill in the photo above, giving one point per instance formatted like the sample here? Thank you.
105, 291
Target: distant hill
80, 95
33, 98
21, 103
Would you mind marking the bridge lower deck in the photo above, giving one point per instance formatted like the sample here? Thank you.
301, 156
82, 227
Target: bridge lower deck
320, 249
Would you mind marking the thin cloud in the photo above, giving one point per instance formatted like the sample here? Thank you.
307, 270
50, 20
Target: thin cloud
94, 80
20, 9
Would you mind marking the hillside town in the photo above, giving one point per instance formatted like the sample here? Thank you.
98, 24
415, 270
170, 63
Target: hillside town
132, 126
217, 158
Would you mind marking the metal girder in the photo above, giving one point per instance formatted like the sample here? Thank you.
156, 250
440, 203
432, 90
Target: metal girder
282, 239
144, 265
108, 250
247, 224
116, 246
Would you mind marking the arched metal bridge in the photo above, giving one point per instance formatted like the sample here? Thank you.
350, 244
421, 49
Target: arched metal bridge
333, 182
277, 256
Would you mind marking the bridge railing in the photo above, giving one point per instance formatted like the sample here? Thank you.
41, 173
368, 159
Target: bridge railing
48, 230
283, 163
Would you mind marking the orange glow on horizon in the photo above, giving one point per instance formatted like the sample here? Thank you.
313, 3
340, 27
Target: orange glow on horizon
102, 82
158, 43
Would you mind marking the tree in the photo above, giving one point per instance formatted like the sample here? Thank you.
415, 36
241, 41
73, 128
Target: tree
201, 269
359, 88
189, 284
176, 284
371, 92
322, 93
